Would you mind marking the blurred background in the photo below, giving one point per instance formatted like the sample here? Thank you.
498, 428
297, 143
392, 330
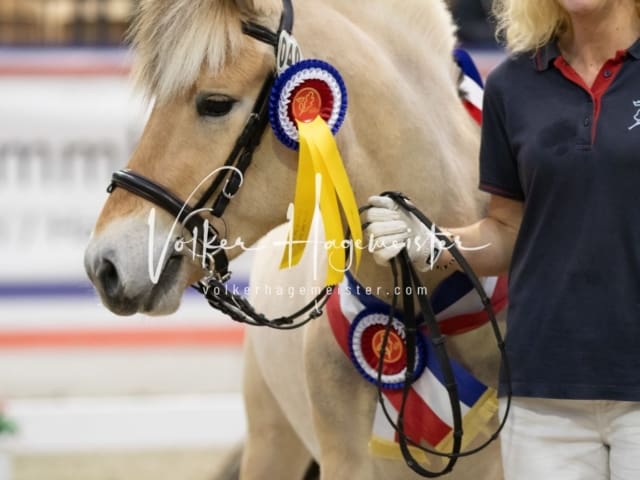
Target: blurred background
92, 396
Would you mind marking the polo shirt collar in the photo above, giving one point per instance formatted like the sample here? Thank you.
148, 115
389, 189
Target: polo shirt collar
634, 50
546, 54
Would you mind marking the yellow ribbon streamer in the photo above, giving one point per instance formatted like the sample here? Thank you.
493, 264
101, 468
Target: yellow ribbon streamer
304, 207
319, 154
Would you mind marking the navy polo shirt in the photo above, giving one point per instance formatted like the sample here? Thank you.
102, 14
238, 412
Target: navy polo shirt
572, 154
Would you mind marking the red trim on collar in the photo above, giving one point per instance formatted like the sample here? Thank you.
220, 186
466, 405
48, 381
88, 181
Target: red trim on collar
603, 80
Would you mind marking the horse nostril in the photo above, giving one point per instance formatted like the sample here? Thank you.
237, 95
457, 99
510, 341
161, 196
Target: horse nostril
110, 282
108, 277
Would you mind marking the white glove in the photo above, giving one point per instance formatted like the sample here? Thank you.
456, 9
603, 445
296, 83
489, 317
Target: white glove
391, 229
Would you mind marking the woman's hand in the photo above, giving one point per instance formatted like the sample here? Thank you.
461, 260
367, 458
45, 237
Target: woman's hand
390, 229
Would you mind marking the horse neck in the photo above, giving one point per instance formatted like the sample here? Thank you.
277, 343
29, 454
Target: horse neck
406, 129
442, 184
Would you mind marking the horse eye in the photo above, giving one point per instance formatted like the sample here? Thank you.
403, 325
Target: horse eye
214, 105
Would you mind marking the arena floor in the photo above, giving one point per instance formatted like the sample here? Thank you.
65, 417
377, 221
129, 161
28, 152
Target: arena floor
191, 464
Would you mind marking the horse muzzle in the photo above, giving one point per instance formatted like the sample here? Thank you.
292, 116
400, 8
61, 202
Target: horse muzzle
133, 275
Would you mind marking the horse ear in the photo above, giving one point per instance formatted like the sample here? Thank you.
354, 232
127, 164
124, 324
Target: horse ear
258, 8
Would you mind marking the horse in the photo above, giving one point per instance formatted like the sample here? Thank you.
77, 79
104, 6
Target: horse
405, 129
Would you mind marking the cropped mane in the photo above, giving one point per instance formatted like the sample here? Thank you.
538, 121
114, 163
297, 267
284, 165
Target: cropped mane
173, 39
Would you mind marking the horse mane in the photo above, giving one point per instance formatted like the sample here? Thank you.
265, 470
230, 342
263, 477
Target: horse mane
431, 25
430, 19
173, 39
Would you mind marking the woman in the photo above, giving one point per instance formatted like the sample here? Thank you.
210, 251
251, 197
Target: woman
560, 157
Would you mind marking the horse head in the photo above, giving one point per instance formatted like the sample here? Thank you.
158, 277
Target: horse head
208, 65
205, 75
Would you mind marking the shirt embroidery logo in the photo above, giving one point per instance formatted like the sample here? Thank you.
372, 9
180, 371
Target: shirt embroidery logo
636, 103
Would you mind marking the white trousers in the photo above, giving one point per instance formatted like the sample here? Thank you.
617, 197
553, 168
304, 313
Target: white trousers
547, 439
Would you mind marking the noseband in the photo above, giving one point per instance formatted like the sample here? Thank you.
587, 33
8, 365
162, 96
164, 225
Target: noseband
228, 180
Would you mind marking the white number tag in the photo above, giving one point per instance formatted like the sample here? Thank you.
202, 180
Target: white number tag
288, 52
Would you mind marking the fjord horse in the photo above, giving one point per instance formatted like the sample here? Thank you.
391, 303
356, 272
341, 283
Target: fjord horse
405, 129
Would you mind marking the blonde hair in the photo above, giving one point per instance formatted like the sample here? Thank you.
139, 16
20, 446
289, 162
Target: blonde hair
525, 25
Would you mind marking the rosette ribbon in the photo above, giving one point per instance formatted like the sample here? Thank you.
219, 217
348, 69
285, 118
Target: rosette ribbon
307, 107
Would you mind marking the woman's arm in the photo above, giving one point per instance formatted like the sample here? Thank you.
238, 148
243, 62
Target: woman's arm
488, 244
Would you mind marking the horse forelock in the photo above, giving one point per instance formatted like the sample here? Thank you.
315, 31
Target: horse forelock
173, 40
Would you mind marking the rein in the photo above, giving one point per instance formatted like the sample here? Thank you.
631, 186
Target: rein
239, 309
411, 294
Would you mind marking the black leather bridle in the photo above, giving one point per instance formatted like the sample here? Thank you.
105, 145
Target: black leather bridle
229, 178
226, 184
